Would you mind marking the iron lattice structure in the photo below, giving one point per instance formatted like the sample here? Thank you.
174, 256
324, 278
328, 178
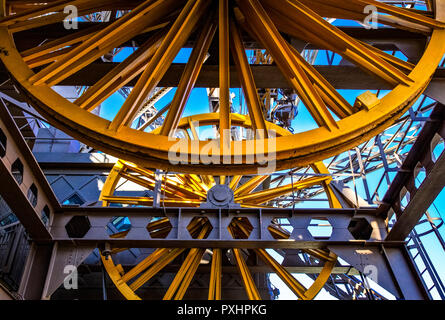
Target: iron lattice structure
390, 122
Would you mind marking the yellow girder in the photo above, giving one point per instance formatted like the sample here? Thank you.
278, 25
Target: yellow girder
175, 21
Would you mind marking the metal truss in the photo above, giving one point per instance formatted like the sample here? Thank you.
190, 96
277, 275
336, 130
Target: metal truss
389, 154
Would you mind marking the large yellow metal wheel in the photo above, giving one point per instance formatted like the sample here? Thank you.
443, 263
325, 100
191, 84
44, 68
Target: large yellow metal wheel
181, 190
190, 190
171, 23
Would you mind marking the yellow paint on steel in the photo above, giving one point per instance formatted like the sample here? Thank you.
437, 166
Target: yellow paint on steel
185, 274
215, 275
158, 65
247, 82
151, 150
224, 74
191, 189
246, 276
188, 78
300, 291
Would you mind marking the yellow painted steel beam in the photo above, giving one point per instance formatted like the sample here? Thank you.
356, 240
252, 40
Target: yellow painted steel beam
190, 191
188, 78
269, 194
293, 284
144, 201
185, 274
292, 150
158, 65
267, 33
297, 288
189, 276
234, 182
123, 73
224, 75
248, 83
144, 264
155, 268
114, 275
215, 275
249, 186
103, 41
399, 12
246, 276
343, 44
320, 168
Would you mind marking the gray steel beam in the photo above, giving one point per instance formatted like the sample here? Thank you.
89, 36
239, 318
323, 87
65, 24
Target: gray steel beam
420, 202
16, 193
35, 273
420, 199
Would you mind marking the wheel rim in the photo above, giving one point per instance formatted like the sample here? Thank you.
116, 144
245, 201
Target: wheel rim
356, 124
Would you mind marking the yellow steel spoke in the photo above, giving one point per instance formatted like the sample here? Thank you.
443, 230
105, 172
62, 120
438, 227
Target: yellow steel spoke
149, 184
288, 279
164, 260
156, 267
354, 10
137, 20
115, 276
246, 276
268, 34
39, 11
144, 264
51, 46
164, 56
401, 12
188, 80
399, 63
123, 73
215, 275
320, 168
189, 276
184, 275
328, 35
284, 275
48, 14
269, 194
330, 96
171, 202
249, 186
247, 82
154, 118
234, 182
48, 58
224, 75
196, 183
169, 183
